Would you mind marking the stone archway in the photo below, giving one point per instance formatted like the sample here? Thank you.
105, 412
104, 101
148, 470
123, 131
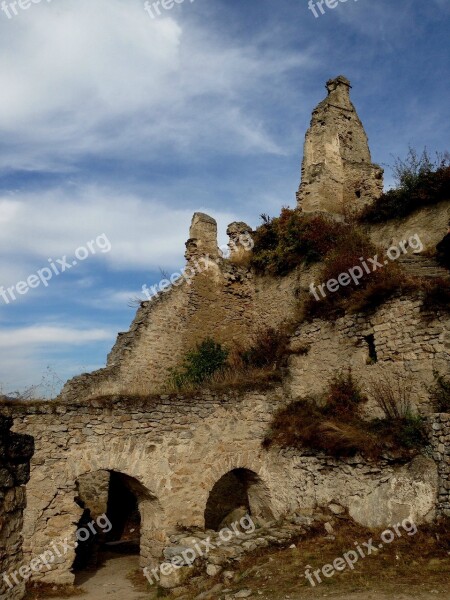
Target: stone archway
133, 514
235, 493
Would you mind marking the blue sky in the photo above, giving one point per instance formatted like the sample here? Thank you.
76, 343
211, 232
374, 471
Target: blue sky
118, 124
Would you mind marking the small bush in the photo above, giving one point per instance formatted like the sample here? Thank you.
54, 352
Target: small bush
331, 424
420, 182
343, 396
436, 295
267, 350
393, 395
373, 288
440, 394
408, 432
293, 238
200, 364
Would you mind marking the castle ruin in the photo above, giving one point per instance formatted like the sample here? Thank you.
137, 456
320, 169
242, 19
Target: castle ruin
189, 460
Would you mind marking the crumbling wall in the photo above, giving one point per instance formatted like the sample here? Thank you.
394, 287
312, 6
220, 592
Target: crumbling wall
15, 454
440, 439
409, 341
429, 223
175, 449
337, 172
220, 299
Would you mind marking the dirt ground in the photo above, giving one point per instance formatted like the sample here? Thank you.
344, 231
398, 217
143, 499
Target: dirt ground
108, 582
410, 568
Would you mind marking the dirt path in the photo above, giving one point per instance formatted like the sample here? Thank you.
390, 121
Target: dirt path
110, 580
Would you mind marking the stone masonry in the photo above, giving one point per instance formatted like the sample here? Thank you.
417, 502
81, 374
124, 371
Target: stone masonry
15, 454
401, 340
337, 172
189, 459
174, 450
440, 436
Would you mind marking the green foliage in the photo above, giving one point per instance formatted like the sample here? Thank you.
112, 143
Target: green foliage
411, 432
440, 393
284, 242
420, 182
200, 364
408, 432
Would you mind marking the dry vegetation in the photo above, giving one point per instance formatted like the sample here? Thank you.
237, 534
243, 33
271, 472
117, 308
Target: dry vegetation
411, 567
332, 423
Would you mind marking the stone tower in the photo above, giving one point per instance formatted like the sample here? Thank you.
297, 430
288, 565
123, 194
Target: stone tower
338, 175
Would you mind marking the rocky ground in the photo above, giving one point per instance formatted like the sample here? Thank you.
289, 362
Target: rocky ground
411, 567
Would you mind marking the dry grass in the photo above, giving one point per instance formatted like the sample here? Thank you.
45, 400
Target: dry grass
392, 393
332, 424
407, 568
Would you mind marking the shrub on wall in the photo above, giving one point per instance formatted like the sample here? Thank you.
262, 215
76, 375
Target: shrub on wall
200, 364
267, 350
420, 182
331, 423
282, 243
372, 289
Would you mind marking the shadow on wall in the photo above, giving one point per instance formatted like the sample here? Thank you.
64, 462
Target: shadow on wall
126, 504
235, 494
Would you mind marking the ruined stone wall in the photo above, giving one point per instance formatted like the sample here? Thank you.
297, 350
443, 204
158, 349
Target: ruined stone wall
429, 223
175, 449
337, 172
15, 454
409, 342
440, 438
224, 301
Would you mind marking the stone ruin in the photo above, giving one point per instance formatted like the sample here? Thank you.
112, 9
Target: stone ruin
337, 171
185, 463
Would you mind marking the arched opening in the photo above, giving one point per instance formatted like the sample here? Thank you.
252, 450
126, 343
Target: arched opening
236, 493
115, 529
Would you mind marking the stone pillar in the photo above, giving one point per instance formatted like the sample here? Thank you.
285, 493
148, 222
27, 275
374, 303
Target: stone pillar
16, 451
337, 171
241, 241
202, 240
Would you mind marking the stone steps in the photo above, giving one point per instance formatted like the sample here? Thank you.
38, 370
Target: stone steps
423, 266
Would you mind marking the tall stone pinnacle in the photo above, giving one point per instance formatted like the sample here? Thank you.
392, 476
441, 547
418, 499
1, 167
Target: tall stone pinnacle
337, 171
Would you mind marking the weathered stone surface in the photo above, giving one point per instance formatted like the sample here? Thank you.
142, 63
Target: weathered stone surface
174, 476
15, 453
337, 172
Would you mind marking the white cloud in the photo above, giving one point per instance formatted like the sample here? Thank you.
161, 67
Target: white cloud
39, 335
143, 234
82, 77
28, 352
